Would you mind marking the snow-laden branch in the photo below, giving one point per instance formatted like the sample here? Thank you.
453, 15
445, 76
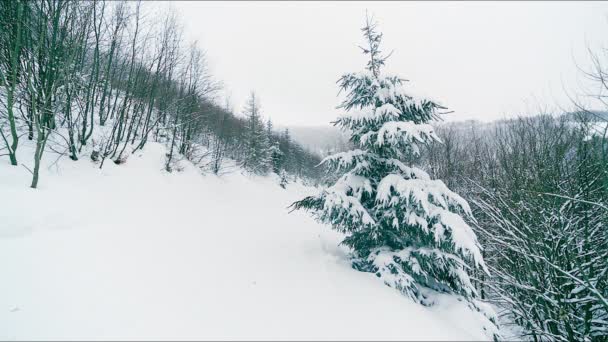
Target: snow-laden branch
396, 132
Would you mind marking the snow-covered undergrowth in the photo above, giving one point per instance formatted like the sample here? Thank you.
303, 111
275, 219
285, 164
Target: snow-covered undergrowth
134, 252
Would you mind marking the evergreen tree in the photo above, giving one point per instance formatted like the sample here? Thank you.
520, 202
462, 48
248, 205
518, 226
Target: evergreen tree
274, 152
283, 183
285, 145
257, 158
400, 224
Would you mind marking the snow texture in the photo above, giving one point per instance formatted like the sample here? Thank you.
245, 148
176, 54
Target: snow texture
133, 252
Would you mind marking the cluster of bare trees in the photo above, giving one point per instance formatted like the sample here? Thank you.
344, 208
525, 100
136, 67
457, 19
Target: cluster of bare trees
539, 189
102, 78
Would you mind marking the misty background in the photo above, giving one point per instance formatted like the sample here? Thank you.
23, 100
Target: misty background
482, 60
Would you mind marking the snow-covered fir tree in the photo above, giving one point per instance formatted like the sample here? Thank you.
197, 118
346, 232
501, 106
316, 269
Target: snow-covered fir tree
274, 151
286, 144
257, 152
405, 227
283, 181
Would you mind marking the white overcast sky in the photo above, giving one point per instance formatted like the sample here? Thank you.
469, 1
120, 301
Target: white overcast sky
484, 60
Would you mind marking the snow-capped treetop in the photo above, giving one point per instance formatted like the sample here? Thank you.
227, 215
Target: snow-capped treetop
376, 99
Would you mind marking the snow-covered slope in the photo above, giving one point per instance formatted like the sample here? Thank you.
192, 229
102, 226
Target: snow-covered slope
132, 252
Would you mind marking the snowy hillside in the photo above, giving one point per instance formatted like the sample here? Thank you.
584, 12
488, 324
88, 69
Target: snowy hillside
133, 252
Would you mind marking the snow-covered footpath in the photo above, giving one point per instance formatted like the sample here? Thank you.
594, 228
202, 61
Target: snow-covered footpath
133, 252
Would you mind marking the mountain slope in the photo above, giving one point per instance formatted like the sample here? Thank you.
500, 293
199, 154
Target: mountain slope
132, 252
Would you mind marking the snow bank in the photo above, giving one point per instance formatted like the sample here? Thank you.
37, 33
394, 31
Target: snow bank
132, 252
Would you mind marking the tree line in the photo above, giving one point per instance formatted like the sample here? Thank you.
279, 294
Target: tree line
538, 187
99, 79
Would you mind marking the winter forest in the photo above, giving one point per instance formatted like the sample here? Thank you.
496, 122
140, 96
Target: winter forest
140, 200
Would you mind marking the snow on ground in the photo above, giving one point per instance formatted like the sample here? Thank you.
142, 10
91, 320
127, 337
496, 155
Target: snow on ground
133, 252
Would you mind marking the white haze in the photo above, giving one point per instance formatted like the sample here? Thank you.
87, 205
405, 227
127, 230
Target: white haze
483, 60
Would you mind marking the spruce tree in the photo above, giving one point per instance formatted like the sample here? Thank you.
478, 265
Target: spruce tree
257, 158
284, 181
285, 144
405, 227
274, 152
